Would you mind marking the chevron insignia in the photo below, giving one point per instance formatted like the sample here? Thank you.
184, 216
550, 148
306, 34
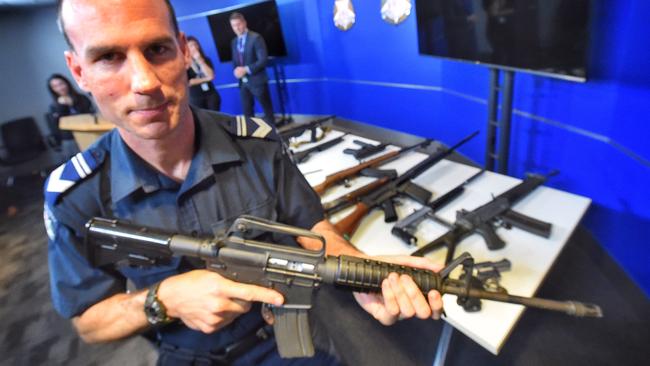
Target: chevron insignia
252, 127
68, 174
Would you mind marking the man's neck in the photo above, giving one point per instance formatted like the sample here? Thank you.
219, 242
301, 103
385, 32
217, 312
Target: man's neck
172, 155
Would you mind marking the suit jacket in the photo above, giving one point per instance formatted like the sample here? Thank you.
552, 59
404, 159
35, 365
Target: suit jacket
255, 57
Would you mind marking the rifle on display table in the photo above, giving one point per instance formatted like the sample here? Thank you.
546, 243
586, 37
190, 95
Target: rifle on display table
294, 272
309, 126
365, 150
303, 155
497, 212
383, 196
345, 174
405, 228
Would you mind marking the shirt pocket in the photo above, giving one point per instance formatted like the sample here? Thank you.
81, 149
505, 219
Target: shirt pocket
264, 210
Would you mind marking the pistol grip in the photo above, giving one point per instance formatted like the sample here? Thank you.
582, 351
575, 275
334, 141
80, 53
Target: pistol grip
292, 332
491, 238
390, 215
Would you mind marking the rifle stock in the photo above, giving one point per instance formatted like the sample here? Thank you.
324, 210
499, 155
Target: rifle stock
334, 178
349, 198
348, 225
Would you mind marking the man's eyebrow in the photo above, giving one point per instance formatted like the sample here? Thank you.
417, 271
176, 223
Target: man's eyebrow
96, 51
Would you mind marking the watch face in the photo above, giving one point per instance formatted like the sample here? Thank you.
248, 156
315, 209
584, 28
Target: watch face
153, 309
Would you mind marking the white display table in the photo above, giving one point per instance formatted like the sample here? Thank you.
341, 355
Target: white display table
531, 256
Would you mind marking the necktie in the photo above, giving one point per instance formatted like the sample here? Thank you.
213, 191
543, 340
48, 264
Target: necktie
240, 49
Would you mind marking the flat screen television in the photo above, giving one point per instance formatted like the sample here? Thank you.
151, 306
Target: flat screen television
261, 17
548, 37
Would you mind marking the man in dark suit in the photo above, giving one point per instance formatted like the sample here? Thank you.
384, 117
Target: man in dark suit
249, 57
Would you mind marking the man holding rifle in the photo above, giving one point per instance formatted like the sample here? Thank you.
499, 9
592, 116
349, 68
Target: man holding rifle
184, 170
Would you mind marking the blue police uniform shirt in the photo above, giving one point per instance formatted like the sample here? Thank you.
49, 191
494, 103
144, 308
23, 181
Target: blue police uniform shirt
229, 175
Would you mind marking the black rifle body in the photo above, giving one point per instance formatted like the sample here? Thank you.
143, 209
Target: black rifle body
482, 220
303, 155
300, 129
294, 272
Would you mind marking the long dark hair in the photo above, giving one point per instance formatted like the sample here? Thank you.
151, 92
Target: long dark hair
207, 60
73, 92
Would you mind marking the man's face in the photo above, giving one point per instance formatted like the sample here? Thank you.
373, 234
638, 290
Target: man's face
127, 55
238, 26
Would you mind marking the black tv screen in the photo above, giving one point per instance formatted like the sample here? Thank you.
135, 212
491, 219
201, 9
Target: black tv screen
261, 17
548, 37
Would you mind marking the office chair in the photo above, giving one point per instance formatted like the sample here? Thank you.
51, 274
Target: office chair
25, 151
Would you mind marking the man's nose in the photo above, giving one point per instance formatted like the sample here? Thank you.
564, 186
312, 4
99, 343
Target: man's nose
143, 76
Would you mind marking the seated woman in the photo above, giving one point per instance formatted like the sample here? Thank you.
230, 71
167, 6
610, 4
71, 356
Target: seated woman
200, 75
66, 101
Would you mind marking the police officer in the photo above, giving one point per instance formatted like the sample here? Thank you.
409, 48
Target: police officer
191, 171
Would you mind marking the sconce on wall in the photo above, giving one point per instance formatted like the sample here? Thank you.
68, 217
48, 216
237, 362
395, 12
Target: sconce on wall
344, 16
395, 11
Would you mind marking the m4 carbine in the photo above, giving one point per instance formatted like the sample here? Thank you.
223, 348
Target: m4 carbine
294, 272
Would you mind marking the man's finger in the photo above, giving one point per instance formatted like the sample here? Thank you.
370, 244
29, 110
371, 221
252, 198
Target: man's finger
435, 301
420, 304
251, 293
405, 306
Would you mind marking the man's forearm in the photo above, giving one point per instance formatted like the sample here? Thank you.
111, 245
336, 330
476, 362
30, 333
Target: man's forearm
117, 317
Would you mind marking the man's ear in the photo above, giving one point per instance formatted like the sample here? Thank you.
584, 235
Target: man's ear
182, 44
75, 69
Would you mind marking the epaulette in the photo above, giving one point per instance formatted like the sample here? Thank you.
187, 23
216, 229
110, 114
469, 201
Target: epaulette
70, 173
251, 127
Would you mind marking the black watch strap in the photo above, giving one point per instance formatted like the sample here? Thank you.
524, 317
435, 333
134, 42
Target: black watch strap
154, 309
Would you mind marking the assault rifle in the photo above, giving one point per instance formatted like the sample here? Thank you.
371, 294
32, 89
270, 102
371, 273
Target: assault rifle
342, 175
496, 212
405, 229
300, 129
383, 196
294, 272
302, 155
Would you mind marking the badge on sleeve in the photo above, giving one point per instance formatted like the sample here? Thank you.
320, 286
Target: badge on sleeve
50, 222
68, 174
251, 127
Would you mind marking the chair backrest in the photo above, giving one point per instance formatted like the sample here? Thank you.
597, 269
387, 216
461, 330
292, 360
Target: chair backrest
22, 136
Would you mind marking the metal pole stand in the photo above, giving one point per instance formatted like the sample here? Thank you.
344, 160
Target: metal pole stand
281, 89
497, 151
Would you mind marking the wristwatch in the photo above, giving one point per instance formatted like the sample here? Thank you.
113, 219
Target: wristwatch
154, 308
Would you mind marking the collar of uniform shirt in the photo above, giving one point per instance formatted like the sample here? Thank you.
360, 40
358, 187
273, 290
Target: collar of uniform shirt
129, 172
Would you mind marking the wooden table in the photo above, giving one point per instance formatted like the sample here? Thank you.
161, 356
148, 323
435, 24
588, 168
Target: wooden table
86, 128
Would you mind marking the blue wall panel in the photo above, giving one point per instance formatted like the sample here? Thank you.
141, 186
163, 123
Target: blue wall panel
594, 133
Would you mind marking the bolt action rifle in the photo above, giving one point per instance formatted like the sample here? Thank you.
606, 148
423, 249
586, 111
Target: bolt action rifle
294, 272
345, 174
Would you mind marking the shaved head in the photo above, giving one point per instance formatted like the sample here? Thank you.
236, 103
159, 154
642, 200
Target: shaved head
61, 21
